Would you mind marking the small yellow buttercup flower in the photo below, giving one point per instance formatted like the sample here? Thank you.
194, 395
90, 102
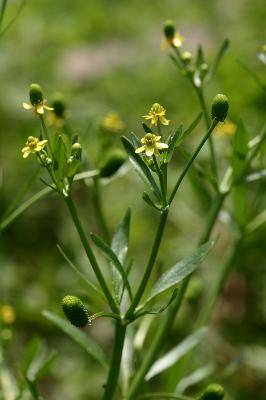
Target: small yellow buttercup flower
157, 115
7, 314
113, 123
37, 103
171, 37
33, 145
151, 145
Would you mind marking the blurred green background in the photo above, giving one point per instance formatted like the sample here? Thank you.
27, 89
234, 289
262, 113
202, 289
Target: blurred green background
106, 56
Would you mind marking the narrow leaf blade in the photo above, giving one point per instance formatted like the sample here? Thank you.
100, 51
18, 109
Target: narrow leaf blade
180, 270
141, 168
91, 347
176, 353
109, 253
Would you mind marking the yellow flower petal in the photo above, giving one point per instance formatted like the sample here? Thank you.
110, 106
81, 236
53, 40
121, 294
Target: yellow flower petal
26, 106
140, 149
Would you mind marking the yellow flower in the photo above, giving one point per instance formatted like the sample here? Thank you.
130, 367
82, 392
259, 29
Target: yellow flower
37, 103
157, 114
33, 145
38, 108
151, 145
7, 314
176, 41
226, 128
113, 123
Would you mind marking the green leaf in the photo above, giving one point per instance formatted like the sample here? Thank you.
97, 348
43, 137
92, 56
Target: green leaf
240, 149
149, 201
200, 374
119, 246
141, 168
155, 305
199, 57
91, 347
146, 128
176, 353
214, 66
172, 143
135, 140
111, 256
94, 291
191, 127
121, 237
6, 221
180, 270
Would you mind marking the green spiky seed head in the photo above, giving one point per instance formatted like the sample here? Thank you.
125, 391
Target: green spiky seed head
220, 105
212, 392
59, 105
75, 311
36, 95
169, 29
111, 163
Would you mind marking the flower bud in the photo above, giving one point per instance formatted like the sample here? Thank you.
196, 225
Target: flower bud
59, 105
220, 105
75, 311
186, 57
212, 392
36, 96
111, 163
76, 150
169, 29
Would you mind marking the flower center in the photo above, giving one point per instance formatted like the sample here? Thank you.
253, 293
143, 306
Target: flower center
149, 139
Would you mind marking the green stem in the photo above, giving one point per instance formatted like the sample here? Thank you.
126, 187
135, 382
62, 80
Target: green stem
161, 179
207, 122
172, 311
150, 264
99, 210
2, 12
90, 254
203, 105
183, 174
120, 331
46, 134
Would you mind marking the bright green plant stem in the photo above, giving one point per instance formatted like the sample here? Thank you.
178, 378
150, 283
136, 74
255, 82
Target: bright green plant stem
120, 331
150, 264
171, 313
90, 254
207, 123
201, 98
99, 210
46, 134
190, 162
161, 179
